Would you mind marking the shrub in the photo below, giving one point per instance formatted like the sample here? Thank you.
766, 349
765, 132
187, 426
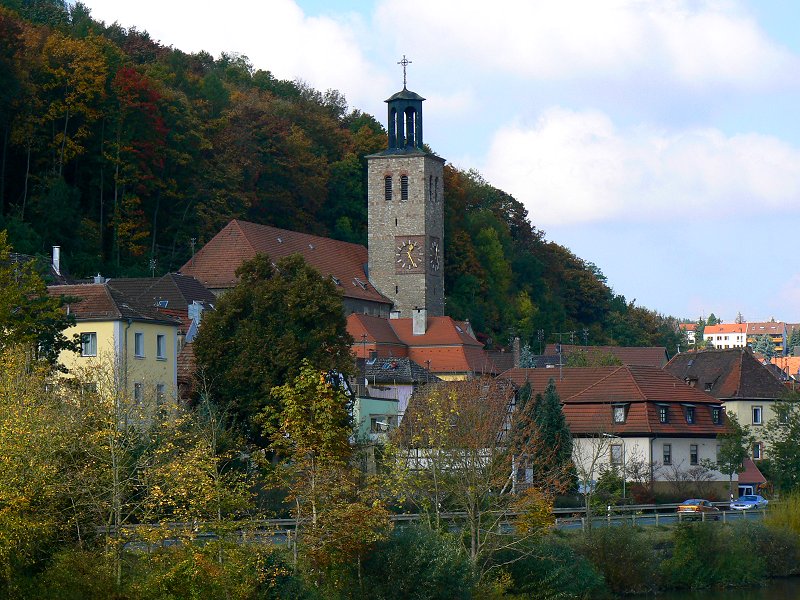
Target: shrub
78, 575
778, 548
706, 554
417, 563
553, 570
786, 513
623, 555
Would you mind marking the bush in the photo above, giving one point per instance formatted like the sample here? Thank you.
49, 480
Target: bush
417, 563
623, 555
78, 575
553, 570
706, 554
778, 548
786, 513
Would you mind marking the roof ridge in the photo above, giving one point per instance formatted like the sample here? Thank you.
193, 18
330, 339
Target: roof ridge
237, 223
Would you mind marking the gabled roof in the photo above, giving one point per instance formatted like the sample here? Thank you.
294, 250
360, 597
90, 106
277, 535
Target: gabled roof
751, 474
687, 326
176, 289
730, 374
788, 364
725, 328
446, 343
769, 327
101, 302
215, 264
653, 356
587, 395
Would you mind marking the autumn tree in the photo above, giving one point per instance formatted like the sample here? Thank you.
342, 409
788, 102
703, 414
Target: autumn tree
334, 526
453, 451
261, 330
734, 448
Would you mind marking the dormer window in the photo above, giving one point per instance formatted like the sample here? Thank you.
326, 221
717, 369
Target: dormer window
688, 411
716, 415
663, 413
619, 412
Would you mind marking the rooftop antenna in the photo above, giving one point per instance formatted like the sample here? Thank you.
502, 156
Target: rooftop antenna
405, 62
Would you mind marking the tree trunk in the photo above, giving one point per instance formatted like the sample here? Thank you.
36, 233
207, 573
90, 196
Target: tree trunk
3, 171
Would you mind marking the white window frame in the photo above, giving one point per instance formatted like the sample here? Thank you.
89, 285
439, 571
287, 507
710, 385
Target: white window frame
616, 454
694, 453
138, 344
666, 454
757, 413
618, 413
89, 343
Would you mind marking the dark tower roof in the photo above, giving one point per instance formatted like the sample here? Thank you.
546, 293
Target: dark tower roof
404, 122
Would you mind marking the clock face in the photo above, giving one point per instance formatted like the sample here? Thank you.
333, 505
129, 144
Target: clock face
434, 256
409, 254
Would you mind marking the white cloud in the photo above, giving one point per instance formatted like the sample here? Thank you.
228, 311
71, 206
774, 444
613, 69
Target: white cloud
573, 167
275, 35
697, 43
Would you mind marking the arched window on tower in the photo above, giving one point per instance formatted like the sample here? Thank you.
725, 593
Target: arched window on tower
436, 191
430, 188
387, 187
403, 187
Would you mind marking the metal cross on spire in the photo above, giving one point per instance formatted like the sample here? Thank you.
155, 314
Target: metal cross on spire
405, 62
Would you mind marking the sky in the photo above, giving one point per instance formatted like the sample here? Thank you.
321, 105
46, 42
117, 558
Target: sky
657, 139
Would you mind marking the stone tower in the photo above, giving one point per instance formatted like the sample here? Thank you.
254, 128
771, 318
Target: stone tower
406, 215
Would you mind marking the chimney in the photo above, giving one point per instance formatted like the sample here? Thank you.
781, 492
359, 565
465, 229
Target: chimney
57, 259
419, 321
99, 278
394, 314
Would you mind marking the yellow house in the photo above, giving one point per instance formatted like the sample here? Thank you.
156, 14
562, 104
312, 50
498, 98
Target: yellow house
133, 346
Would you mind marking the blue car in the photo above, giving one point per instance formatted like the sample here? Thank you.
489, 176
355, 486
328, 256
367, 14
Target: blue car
749, 502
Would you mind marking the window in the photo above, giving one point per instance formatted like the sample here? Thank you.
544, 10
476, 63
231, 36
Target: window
616, 454
88, 344
387, 187
160, 393
619, 413
430, 188
382, 423
138, 344
667, 454
663, 414
716, 415
403, 187
138, 393
689, 414
436, 190
693, 454
161, 346
757, 451
757, 415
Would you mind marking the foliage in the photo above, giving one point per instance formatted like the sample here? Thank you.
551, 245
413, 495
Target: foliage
706, 555
591, 359
777, 546
29, 316
623, 555
553, 569
781, 434
734, 448
416, 562
261, 330
785, 515
764, 346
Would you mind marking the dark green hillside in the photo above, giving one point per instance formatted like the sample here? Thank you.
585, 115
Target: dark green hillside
127, 154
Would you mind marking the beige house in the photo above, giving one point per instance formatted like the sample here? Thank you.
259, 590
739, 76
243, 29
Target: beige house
131, 347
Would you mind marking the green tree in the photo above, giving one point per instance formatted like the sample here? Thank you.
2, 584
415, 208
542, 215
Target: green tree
781, 434
261, 330
764, 346
734, 447
29, 316
713, 320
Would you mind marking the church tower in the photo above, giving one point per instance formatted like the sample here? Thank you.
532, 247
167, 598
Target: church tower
406, 214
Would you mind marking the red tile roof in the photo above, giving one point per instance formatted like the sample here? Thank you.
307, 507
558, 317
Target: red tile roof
769, 327
215, 264
687, 326
725, 328
653, 356
446, 343
751, 473
588, 393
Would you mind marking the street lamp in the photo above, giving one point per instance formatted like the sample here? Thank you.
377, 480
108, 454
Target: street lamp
608, 435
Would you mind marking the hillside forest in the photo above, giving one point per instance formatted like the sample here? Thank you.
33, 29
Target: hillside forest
130, 154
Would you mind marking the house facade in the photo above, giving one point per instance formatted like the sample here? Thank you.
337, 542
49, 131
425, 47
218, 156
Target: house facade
130, 347
738, 380
776, 331
726, 335
641, 421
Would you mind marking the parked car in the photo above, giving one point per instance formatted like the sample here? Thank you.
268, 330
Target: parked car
749, 502
697, 507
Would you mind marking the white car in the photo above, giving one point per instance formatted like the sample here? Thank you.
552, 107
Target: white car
748, 502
